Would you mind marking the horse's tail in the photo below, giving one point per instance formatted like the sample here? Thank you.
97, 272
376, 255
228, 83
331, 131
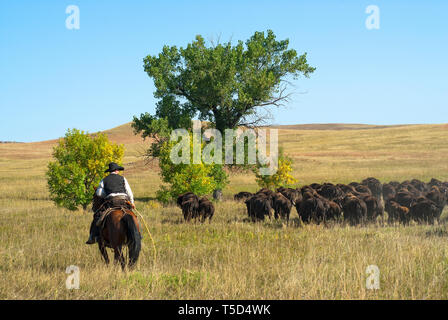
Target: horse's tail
133, 239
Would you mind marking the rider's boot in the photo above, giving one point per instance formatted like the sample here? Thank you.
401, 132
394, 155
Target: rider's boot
94, 232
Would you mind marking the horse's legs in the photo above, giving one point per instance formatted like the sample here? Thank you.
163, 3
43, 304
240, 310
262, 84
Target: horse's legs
103, 251
118, 256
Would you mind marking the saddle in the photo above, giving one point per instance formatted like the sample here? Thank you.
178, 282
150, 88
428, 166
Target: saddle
109, 205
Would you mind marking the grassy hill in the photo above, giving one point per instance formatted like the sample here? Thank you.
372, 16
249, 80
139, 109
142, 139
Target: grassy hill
231, 258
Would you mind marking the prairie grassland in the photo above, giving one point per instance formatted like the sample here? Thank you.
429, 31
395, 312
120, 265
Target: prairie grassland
231, 258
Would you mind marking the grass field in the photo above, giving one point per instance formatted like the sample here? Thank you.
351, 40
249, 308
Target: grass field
231, 258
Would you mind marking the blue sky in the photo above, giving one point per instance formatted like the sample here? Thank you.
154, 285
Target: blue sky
53, 78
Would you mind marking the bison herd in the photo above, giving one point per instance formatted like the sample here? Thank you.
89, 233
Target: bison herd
355, 203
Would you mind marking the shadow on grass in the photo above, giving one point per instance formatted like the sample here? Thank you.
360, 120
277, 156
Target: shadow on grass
437, 232
171, 221
274, 224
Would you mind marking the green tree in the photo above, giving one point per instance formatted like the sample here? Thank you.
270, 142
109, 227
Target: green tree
281, 178
228, 85
80, 160
200, 178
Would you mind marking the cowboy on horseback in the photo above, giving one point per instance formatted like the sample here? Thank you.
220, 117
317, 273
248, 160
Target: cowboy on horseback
116, 192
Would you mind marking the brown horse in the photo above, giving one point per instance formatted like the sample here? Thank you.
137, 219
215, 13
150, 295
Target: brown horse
120, 227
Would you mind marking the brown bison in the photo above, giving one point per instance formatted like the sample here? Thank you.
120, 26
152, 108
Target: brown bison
437, 197
374, 208
404, 198
419, 185
206, 209
424, 211
330, 191
374, 186
362, 189
282, 206
190, 208
355, 210
346, 188
388, 192
311, 208
185, 196
334, 211
258, 207
193, 207
397, 213
293, 195
242, 196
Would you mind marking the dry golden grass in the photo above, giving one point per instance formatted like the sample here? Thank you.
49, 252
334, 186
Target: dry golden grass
231, 258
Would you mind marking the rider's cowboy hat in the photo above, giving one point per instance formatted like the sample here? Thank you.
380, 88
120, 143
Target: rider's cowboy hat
114, 167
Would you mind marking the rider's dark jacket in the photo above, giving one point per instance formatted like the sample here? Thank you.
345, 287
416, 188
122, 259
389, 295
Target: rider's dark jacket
114, 185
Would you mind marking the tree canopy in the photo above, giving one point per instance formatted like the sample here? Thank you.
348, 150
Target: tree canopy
78, 167
282, 176
201, 178
227, 85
